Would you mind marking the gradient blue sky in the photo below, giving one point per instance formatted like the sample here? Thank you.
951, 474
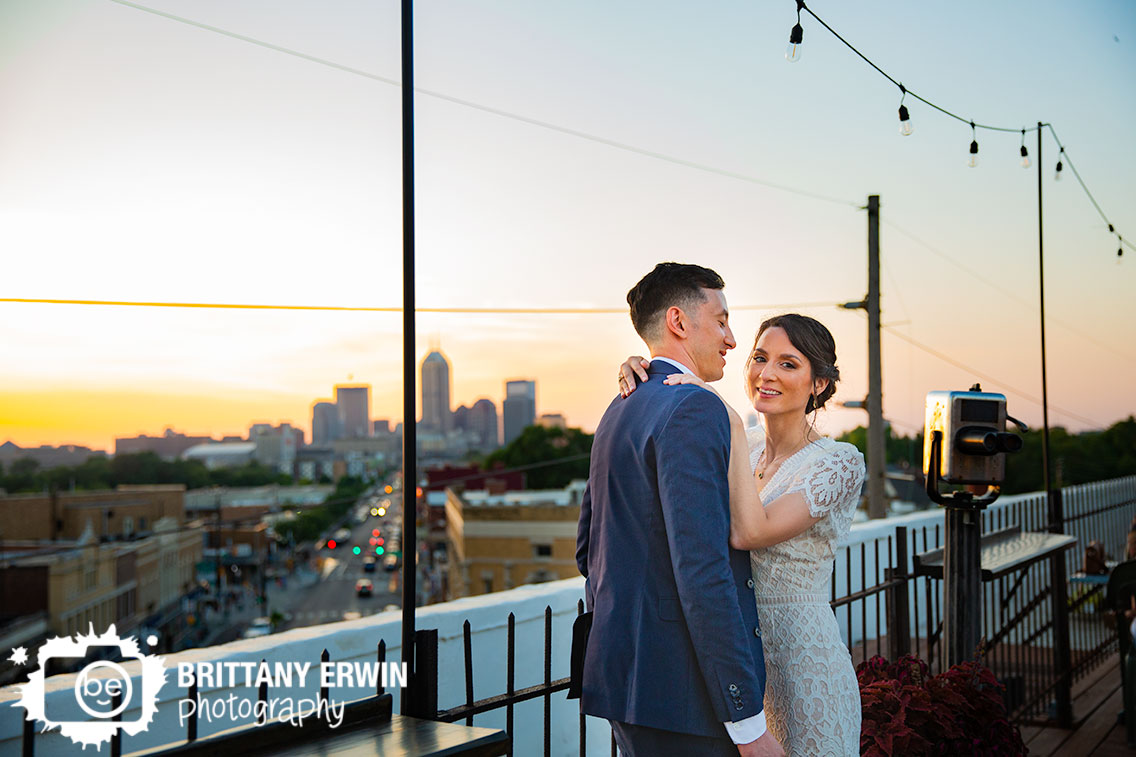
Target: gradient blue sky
145, 159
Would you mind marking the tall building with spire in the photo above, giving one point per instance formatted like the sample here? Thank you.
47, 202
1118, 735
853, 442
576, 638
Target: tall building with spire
435, 380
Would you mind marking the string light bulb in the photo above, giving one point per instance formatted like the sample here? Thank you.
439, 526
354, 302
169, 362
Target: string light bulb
1057, 174
1025, 152
793, 51
905, 127
973, 162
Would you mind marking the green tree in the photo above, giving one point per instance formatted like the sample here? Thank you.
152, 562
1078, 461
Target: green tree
897, 449
538, 444
22, 476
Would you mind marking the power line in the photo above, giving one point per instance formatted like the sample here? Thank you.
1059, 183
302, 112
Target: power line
497, 111
987, 377
333, 308
1031, 304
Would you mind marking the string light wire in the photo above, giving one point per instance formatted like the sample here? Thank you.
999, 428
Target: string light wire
973, 124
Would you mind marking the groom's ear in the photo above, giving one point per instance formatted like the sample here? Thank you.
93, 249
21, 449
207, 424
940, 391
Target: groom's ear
676, 322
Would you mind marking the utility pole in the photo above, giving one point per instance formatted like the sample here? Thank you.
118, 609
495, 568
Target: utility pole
874, 404
877, 506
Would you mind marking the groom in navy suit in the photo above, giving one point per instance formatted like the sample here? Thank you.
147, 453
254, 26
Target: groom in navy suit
674, 658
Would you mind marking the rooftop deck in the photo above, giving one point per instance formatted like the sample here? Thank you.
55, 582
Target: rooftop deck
1097, 701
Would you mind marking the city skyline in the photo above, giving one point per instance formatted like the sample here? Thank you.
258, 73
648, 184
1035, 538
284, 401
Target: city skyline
321, 413
222, 171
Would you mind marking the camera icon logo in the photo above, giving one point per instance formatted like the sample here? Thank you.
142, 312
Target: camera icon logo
107, 698
103, 697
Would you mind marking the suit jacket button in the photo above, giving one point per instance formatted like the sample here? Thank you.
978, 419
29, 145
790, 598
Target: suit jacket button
757, 632
733, 687
739, 706
749, 583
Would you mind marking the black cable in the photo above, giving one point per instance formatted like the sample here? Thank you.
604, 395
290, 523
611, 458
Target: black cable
987, 377
904, 89
1093, 200
973, 125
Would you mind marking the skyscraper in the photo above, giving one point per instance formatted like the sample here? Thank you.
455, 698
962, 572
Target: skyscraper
436, 394
325, 423
519, 408
354, 406
482, 422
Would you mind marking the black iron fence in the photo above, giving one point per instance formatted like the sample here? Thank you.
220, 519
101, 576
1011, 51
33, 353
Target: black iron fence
883, 608
1034, 618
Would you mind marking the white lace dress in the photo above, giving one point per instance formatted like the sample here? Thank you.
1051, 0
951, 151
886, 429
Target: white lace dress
812, 699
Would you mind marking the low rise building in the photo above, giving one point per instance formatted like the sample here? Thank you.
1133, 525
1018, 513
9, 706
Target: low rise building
499, 541
124, 556
120, 513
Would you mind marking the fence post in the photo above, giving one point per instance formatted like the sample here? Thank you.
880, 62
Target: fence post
1062, 650
424, 695
897, 596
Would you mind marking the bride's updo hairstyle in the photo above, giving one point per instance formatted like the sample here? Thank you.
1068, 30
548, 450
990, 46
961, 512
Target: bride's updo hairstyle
815, 343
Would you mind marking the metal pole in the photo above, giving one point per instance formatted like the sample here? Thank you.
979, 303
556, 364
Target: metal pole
877, 455
409, 410
1062, 650
217, 553
962, 585
1056, 518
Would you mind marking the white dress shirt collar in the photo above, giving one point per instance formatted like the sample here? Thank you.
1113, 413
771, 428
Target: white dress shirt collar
682, 368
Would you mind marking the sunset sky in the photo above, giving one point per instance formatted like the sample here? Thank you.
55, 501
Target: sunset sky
146, 159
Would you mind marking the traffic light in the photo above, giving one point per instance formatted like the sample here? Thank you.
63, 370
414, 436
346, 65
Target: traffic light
388, 489
331, 543
379, 550
355, 550
379, 541
374, 532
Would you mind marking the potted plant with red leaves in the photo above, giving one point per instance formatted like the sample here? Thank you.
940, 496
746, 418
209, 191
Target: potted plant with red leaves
907, 711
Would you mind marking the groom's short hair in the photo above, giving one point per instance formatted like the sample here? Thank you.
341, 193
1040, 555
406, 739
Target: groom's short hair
668, 285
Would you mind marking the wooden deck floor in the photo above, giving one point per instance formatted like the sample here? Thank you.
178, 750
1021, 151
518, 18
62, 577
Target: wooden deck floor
1097, 701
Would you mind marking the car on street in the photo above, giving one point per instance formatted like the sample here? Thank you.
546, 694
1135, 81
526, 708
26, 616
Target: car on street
369, 565
390, 562
259, 627
364, 587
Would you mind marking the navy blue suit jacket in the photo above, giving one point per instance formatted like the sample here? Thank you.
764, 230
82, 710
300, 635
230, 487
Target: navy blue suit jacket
675, 642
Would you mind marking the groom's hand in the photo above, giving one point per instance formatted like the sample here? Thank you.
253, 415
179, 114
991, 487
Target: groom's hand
766, 746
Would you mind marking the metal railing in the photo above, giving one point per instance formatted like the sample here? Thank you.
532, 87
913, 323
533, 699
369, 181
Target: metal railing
880, 606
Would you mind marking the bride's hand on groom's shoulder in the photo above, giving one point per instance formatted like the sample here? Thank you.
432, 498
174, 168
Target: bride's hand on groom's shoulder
676, 379
688, 378
634, 367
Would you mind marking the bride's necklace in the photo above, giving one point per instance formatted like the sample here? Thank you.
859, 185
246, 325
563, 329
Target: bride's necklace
776, 460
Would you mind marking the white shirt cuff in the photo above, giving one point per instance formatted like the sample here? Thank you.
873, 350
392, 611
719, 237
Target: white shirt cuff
750, 729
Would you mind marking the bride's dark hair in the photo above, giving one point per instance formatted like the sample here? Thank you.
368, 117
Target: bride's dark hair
815, 342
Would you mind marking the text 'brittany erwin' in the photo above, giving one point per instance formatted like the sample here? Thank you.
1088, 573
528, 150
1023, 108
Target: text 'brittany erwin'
288, 674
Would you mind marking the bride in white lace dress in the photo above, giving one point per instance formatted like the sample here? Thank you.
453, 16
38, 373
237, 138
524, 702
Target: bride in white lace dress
792, 497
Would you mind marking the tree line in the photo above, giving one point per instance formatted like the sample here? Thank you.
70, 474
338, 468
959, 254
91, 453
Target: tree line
1074, 458
98, 472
